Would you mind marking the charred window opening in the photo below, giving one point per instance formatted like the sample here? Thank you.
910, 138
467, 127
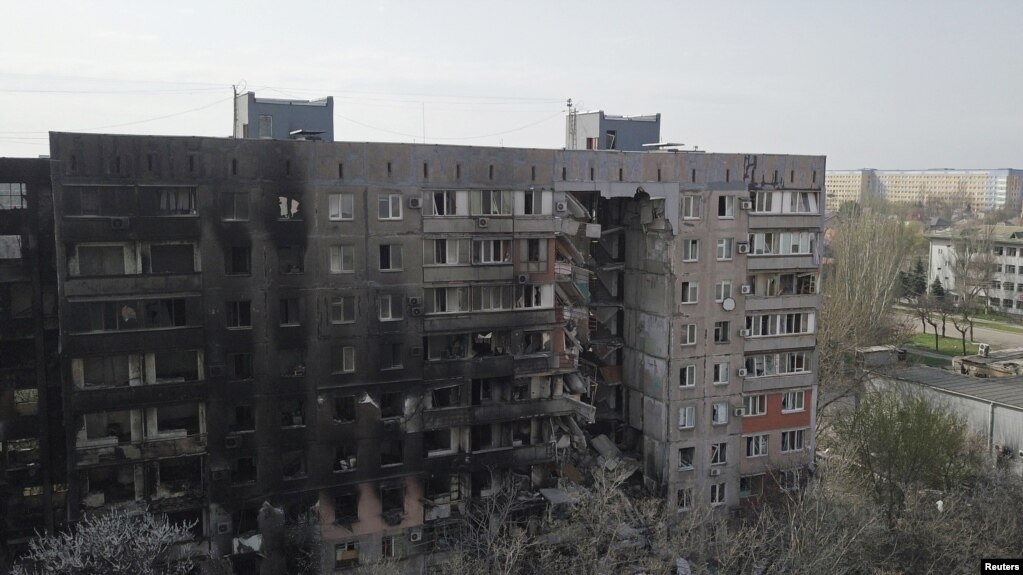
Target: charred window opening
292, 362
239, 314
173, 421
392, 405
291, 259
291, 311
239, 366
176, 366
244, 470
292, 413
238, 260
246, 520
438, 442
241, 418
106, 425
192, 517
174, 477
536, 342
124, 315
99, 200
345, 458
107, 485
170, 259
391, 452
346, 509
100, 261
447, 347
392, 499
490, 343
522, 432
443, 397
289, 208
342, 359
108, 371
483, 391
293, 465
344, 409
234, 206
392, 356
26, 402
441, 489
520, 390
483, 437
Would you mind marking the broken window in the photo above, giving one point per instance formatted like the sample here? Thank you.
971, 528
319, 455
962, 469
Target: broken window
292, 412
392, 405
106, 424
522, 433
102, 486
288, 208
244, 470
174, 477
170, 259
536, 250
684, 498
239, 366
442, 397
290, 311
293, 465
392, 356
346, 554
609, 139
453, 346
166, 313
717, 493
100, 261
482, 391
687, 376
107, 371
346, 510
238, 260
492, 298
173, 421
441, 489
718, 453
690, 292
532, 201
26, 401
392, 499
719, 414
446, 251
239, 314
756, 445
685, 457
344, 409
536, 342
391, 452
234, 206
291, 259
345, 458
390, 257
751, 485
13, 196
482, 437
241, 418
342, 309
292, 362
176, 366
791, 440
790, 480
721, 331
491, 203
447, 300
726, 206
438, 442
99, 200
528, 296
520, 390
690, 250
440, 203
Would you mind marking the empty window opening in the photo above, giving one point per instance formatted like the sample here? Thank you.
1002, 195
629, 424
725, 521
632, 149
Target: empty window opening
291, 259
392, 405
345, 458
292, 362
238, 260
293, 465
176, 366
240, 419
292, 412
169, 259
391, 452
244, 470
344, 409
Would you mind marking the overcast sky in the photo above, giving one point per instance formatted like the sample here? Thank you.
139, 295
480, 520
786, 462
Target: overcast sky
869, 84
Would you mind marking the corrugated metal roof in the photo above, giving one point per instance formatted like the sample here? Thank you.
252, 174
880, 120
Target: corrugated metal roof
1005, 390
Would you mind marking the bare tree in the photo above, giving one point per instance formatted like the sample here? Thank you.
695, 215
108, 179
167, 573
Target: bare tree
860, 287
129, 541
973, 267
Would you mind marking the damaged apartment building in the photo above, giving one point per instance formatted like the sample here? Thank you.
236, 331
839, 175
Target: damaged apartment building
367, 335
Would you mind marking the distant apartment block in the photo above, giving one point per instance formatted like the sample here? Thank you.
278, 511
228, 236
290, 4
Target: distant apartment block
278, 119
1005, 291
600, 131
982, 190
379, 333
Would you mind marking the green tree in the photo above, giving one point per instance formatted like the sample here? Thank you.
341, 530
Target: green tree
937, 290
918, 279
900, 443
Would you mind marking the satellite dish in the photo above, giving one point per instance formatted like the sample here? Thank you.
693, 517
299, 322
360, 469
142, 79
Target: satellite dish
728, 304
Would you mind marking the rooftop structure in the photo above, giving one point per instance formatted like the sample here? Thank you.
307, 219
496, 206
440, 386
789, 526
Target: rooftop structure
278, 119
599, 131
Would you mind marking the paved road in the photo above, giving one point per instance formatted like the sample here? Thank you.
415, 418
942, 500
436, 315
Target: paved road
997, 339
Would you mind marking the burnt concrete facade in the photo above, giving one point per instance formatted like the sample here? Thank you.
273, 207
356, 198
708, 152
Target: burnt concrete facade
32, 479
366, 335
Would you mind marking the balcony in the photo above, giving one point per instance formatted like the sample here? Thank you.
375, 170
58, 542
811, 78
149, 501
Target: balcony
491, 320
775, 382
761, 221
134, 340
108, 450
133, 284
512, 456
781, 262
776, 342
761, 303
469, 273
502, 411
75, 229
112, 398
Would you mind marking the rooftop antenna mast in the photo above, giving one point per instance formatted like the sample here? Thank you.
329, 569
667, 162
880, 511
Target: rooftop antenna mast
571, 125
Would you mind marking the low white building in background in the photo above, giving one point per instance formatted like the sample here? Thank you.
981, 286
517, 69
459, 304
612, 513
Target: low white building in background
1005, 293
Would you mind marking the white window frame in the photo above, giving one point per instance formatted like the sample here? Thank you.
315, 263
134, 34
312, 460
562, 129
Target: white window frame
690, 292
336, 204
339, 264
338, 302
687, 417
720, 376
386, 307
793, 440
691, 207
689, 379
391, 203
755, 405
691, 250
347, 359
719, 453
719, 413
729, 207
491, 249
390, 257
794, 400
684, 499
718, 493
722, 290
450, 200
757, 445
725, 249
688, 334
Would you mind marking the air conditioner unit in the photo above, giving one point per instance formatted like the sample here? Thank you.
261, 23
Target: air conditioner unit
739, 412
560, 206
745, 333
415, 203
523, 278
417, 311
746, 205
742, 372
120, 223
232, 442
745, 289
483, 222
983, 349
743, 248
715, 472
415, 535
415, 301
217, 371
223, 528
